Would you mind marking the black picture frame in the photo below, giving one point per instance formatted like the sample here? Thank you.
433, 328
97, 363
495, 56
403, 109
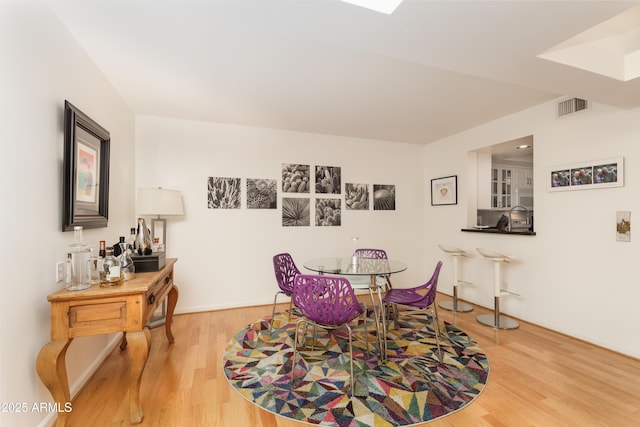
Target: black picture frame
86, 171
444, 191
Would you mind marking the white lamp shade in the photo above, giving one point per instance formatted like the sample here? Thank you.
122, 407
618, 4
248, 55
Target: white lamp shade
159, 201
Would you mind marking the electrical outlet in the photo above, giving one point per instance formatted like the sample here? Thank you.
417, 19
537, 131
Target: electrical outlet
59, 271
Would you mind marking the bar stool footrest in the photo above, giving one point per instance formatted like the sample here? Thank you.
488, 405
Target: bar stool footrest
504, 292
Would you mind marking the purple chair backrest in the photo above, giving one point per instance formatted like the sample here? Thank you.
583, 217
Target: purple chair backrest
286, 271
433, 284
326, 300
371, 253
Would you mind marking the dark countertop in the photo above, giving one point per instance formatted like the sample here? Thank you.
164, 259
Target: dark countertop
519, 232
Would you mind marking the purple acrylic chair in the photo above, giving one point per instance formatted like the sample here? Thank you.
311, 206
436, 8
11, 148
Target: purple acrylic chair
371, 253
286, 271
418, 299
330, 303
374, 254
383, 280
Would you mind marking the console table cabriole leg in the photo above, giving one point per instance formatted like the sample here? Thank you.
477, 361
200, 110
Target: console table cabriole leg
139, 344
52, 369
123, 342
172, 299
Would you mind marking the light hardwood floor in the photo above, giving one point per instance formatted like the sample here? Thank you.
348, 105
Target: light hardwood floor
537, 378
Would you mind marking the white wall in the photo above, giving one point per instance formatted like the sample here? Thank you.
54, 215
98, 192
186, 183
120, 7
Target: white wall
573, 276
225, 255
42, 65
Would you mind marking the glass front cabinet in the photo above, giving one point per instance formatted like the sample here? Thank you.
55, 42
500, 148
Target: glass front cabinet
501, 186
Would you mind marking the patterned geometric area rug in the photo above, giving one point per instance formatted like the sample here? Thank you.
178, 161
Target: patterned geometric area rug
411, 388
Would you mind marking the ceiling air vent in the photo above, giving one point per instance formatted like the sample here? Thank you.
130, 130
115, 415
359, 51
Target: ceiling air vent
572, 105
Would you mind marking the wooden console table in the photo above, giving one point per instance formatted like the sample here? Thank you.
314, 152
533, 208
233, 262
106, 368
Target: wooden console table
126, 308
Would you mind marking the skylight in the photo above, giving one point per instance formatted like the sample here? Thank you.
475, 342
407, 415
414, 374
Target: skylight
382, 6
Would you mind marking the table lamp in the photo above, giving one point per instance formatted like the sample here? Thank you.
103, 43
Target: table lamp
159, 202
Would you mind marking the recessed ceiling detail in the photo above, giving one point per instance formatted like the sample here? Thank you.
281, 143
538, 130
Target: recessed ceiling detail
382, 6
611, 48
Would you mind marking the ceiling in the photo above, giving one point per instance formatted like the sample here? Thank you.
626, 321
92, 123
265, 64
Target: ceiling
429, 70
515, 152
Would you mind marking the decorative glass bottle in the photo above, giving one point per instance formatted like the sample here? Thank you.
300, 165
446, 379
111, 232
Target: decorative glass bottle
102, 252
127, 268
117, 248
143, 238
131, 241
354, 257
110, 274
79, 256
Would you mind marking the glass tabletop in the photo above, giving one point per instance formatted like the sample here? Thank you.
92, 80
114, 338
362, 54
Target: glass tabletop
365, 266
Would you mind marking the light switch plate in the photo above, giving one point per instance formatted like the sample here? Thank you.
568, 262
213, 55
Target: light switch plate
59, 271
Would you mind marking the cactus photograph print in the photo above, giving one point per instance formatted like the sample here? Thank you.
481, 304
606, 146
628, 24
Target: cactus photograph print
262, 194
328, 179
384, 197
328, 212
295, 178
356, 196
224, 193
295, 212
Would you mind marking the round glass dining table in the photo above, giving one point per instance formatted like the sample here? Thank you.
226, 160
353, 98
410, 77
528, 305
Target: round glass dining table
364, 267
375, 268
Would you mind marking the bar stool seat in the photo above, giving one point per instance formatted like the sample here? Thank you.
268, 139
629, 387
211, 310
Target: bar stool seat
496, 320
455, 305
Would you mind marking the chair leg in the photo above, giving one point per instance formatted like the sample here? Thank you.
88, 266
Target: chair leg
315, 337
391, 312
436, 325
295, 349
273, 311
353, 384
396, 314
366, 332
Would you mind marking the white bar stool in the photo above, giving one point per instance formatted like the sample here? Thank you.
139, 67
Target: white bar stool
496, 320
455, 305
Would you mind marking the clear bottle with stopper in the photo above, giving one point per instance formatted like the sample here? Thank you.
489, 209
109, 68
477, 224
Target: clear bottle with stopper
354, 257
110, 274
78, 263
131, 241
127, 268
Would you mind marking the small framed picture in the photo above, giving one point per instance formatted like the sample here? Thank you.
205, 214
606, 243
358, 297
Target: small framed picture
623, 226
444, 191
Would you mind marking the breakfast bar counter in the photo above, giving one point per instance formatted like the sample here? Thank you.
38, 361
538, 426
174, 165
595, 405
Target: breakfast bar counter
518, 232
